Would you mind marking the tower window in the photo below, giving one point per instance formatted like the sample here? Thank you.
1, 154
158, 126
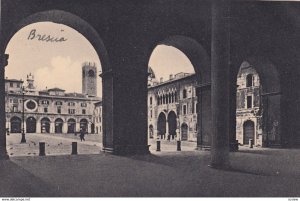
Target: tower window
184, 93
150, 100
249, 101
91, 73
184, 109
249, 80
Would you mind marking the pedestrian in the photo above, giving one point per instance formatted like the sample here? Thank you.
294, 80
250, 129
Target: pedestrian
82, 135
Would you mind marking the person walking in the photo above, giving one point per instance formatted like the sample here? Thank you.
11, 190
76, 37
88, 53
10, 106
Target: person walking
81, 135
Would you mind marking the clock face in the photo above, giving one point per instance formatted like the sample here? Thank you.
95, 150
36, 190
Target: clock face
31, 105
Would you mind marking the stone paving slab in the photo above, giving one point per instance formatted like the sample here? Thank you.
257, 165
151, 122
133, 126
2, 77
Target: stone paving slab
177, 174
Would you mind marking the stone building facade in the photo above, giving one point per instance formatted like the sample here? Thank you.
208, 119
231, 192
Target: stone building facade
48, 111
249, 112
172, 107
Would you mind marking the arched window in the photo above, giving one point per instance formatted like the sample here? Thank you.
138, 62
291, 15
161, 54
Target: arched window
184, 93
91, 73
175, 96
249, 80
150, 100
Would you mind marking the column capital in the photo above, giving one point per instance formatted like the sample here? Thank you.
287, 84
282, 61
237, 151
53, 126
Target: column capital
3, 60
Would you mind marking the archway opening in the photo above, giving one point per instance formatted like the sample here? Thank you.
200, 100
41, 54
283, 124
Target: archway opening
172, 124
55, 73
161, 126
58, 125
30, 125
15, 125
84, 125
45, 125
176, 67
71, 126
258, 100
248, 132
184, 131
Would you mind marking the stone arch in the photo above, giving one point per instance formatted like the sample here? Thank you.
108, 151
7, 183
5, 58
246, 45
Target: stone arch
200, 59
68, 19
30, 125
151, 131
45, 125
58, 125
184, 131
271, 98
15, 124
71, 125
248, 131
161, 125
172, 124
194, 51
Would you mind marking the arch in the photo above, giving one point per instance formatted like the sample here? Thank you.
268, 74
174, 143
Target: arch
161, 125
68, 19
15, 125
84, 125
194, 51
248, 131
184, 132
58, 123
249, 80
91, 73
172, 124
151, 131
45, 125
30, 125
71, 126
270, 98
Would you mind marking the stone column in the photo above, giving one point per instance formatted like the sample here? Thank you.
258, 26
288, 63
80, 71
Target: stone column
8, 125
77, 127
204, 115
38, 127
3, 151
220, 85
167, 129
52, 127
65, 127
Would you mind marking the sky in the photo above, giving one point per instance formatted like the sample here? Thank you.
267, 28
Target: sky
58, 64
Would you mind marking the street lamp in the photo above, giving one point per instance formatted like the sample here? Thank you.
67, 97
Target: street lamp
23, 140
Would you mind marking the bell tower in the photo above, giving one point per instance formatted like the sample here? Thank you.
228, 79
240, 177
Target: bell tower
89, 79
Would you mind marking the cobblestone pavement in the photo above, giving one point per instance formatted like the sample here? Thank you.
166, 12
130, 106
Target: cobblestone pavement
60, 144
257, 172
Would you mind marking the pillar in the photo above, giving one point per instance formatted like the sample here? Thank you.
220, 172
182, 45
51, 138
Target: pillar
89, 128
204, 115
65, 127
8, 125
125, 124
38, 127
52, 127
167, 129
220, 86
3, 151
77, 127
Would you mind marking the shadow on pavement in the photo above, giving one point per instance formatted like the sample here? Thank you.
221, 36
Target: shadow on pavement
15, 181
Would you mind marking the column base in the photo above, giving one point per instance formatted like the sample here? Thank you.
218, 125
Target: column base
234, 146
203, 147
4, 156
128, 149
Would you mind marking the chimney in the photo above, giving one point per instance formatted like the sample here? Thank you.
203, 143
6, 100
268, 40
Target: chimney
161, 80
171, 76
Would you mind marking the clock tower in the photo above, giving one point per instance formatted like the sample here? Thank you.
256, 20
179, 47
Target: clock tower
89, 79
